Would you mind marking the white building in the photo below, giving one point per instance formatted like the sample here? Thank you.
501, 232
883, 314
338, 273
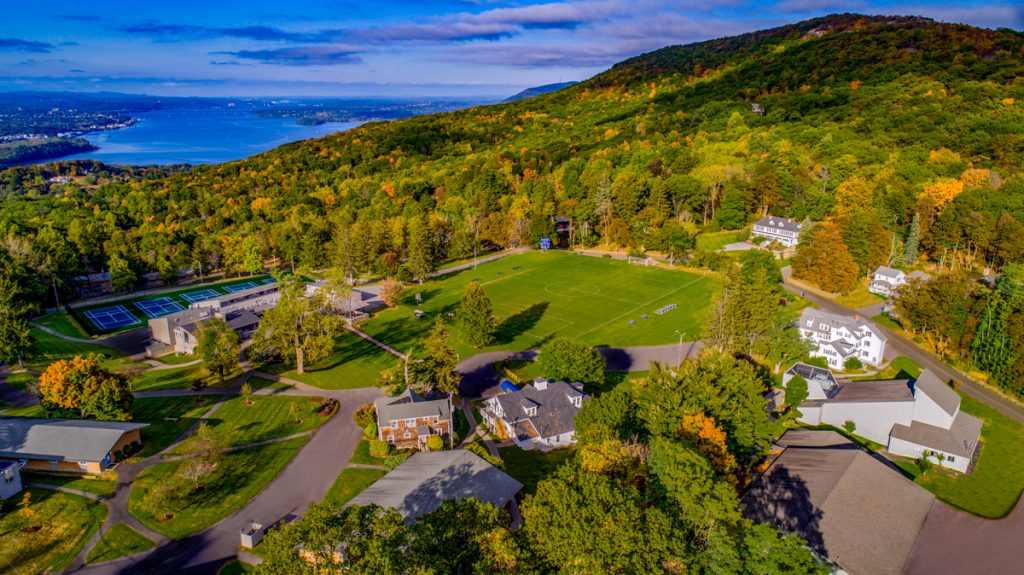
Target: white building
913, 418
886, 280
782, 230
10, 479
541, 415
838, 338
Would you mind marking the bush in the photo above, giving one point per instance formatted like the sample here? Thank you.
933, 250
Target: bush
396, 459
480, 450
370, 431
366, 416
379, 448
853, 364
849, 426
435, 443
818, 362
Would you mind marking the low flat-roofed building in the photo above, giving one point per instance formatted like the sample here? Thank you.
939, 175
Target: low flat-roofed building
10, 479
427, 479
853, 509
71, 445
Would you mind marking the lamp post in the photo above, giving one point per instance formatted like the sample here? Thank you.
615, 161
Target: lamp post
680, 360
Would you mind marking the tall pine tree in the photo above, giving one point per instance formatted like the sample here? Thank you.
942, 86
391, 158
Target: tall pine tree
476, 317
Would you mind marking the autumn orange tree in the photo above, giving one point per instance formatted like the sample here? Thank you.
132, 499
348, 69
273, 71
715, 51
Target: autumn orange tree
81, 388
826, 261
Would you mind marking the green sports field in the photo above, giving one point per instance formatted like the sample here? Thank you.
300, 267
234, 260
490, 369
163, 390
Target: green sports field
537, 296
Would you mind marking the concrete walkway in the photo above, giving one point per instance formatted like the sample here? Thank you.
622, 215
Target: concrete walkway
377, 342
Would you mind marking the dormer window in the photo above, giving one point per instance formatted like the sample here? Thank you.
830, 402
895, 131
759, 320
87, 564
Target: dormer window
531, 411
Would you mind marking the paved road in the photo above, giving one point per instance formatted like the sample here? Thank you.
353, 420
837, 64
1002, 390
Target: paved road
898, 345
305, 480
479, 378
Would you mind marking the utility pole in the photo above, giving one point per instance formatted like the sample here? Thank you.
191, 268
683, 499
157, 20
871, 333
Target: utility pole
56, 298
680, 360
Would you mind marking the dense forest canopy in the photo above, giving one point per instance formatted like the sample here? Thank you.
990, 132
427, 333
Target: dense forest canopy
928, 116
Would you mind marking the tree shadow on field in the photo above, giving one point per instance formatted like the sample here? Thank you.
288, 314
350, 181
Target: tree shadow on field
519, 323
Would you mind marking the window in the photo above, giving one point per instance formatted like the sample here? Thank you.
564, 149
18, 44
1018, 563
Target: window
951, 459
407, 435
410, 422
391, 438
392, 423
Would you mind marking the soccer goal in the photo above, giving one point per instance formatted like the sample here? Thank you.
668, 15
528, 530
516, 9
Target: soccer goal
641, 261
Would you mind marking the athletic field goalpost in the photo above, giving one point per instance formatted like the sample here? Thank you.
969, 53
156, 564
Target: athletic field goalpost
641, 261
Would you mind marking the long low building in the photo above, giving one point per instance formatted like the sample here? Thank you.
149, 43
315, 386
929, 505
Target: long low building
427, 479
69, 445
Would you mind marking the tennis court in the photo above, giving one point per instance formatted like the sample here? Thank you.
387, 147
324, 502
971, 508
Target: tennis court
159, 307
113, 317
268, 281
202, 295
239, 287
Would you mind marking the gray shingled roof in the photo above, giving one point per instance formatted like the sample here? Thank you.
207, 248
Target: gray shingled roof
409, 405
960, 439
60, 439
850, 507
888, 272
873, 391
938, 391
243, 318
779, 223
555, 414
834, 321
424, 481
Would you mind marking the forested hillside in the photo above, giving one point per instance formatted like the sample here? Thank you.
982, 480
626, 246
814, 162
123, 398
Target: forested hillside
871, 123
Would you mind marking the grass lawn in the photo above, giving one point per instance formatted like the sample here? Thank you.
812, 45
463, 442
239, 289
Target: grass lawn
168, 419
899, 368
268, 417
625, 379
28, 411
119, 541
50, 348
354, 363
362, 455
102, 485
530, 467
994, 487
21, 380
175, 359
180, 378
351, 482
262, 383
64, 523
714, 241
238, 478
885, 320
859, 297
235, 567
64, 323
557, 294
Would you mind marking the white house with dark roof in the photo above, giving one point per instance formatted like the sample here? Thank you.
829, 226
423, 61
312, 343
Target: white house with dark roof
838, 338
913, 418
886, 280
541, 415
782, 230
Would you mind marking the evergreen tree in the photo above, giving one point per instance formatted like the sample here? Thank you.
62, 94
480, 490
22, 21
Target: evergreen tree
913, 240
421, 250
475, 316
436, 372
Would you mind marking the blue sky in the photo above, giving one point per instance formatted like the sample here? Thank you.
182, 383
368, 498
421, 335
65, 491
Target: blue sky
399, 48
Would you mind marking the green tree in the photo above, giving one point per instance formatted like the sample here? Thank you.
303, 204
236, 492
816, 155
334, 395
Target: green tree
218, 346
122, 276
81, 388
910, 246
421, 249
796, 391
15, 330
475, 316
298, 330
204, 452
572, 361
436, 371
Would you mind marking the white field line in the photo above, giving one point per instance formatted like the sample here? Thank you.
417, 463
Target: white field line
634, 310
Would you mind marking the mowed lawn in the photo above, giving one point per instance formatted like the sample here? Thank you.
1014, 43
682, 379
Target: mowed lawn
351, 482
119, 541
354, 363
168, 418
239, 476
49, 540
264, 417
538, 296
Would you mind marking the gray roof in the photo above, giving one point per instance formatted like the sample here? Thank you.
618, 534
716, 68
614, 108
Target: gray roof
812, 373
246, 293
60, 439
852, 508
409, 405
779, 223
873, 391
938, 391
424, 481
834, 320
960, 439
243, 318
888, 272
555, 415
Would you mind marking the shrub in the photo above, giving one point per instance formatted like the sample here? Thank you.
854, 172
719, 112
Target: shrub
849, 426
480, 450
370, 431
435, 443
853, 364
396, 459
365, 416
379, 448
